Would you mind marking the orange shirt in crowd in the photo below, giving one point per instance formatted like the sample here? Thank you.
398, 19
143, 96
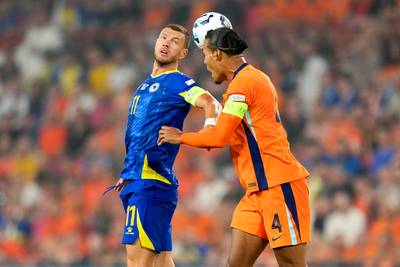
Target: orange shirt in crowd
52, 138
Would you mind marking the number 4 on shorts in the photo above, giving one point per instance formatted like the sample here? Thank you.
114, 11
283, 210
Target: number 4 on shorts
276, 223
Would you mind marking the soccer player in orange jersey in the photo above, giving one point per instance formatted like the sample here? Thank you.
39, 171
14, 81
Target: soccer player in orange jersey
275, 208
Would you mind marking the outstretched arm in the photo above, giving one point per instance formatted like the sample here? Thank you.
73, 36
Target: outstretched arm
217, 136
200, 98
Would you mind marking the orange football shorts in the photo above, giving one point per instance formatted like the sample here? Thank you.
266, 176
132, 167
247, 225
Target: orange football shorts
280, 214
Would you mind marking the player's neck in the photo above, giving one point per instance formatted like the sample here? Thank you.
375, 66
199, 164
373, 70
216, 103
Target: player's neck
234, 64
158, 69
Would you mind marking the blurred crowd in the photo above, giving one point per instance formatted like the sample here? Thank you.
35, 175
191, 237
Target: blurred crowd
68, 70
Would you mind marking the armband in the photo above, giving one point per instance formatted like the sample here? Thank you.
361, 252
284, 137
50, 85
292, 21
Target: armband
237, 109
193, 94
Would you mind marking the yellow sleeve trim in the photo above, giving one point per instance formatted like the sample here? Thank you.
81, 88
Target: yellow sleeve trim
163, 73
192, 94
237, 109
149, 173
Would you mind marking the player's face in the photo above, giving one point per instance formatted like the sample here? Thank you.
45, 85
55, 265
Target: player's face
213, 65
170, 47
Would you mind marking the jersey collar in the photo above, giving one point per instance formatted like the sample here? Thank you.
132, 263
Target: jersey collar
239, 69
163, 73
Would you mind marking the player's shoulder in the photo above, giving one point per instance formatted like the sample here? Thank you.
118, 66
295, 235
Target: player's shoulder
179, 81
252, 73
250, 77
180, 78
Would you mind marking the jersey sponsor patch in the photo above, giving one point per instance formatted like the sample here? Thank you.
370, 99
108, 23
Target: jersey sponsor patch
237, 98
190, 82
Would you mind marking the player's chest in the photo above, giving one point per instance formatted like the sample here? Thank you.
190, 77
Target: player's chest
147, 96
150, 89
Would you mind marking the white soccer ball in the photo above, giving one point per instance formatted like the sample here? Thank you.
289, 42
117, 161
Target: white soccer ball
207, 22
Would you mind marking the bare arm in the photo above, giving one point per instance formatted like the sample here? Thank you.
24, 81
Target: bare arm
211, 108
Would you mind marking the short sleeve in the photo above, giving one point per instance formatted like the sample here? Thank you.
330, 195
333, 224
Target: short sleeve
241, 89
179, 85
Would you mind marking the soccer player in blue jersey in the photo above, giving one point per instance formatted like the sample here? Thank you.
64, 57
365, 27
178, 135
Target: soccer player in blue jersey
147, 184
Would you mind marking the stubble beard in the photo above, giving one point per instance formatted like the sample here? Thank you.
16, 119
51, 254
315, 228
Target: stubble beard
163, 63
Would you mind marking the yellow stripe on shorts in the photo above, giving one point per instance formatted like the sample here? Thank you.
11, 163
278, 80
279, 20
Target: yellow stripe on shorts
144, 238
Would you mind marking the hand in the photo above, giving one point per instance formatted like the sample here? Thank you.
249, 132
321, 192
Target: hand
119, 185
169, 135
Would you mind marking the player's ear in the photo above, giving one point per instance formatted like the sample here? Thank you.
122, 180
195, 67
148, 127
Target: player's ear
218, 55
184, 53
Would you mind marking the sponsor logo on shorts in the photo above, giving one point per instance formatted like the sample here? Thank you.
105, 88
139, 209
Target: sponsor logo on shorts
276, 238
129, 231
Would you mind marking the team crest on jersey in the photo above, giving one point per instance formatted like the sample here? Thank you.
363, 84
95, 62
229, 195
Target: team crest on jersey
154, 87
143, 86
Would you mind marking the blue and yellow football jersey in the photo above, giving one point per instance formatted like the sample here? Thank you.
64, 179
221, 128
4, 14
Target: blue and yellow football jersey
150, 194
160, 100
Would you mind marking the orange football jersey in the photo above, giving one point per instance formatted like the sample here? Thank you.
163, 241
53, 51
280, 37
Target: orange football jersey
259, 147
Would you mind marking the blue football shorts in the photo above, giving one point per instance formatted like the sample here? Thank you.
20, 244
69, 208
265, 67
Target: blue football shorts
149, 209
